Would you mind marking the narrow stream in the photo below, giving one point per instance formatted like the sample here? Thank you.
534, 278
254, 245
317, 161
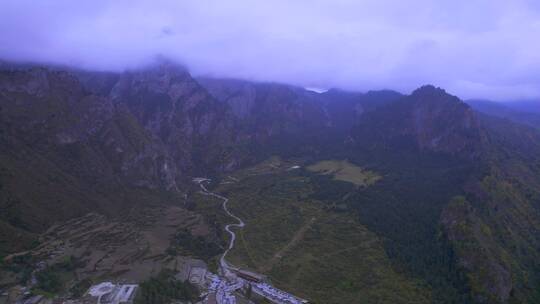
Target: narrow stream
225, 267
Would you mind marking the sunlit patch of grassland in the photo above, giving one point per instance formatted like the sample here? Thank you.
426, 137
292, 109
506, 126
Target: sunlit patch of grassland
345, 171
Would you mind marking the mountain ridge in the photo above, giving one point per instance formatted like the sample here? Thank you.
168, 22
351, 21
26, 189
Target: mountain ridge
455, 182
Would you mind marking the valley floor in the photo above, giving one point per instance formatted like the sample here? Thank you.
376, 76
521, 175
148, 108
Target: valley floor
323, 256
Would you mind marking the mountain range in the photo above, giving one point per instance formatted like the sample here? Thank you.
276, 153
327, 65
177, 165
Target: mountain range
458, 207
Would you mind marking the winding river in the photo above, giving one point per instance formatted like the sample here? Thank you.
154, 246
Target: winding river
225, 267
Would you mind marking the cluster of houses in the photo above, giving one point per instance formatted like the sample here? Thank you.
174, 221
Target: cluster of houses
222, 290
216, 289
102, 293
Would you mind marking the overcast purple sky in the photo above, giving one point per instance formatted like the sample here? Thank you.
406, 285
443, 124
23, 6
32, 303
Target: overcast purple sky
473, 48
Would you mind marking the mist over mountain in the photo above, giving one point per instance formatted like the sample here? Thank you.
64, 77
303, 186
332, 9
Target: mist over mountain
253, 152
526, 113
485, 49
525, 106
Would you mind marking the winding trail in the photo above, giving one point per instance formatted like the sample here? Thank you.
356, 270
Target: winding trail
225, 267
297, 237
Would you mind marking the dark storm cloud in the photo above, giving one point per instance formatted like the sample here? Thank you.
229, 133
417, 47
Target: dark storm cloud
474, 48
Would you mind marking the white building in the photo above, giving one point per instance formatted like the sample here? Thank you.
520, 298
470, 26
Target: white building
109, 293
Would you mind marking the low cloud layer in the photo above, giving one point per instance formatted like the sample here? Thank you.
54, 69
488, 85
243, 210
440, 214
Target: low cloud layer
474, 49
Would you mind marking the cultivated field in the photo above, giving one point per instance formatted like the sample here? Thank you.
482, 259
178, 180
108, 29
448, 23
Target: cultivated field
345, 171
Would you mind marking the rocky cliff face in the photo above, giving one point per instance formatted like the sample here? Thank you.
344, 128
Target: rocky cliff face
443, 123
177, 111
52, 113
65, 151
267, 110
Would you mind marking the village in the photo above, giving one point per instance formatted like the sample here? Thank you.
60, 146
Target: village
236, 283
238, 286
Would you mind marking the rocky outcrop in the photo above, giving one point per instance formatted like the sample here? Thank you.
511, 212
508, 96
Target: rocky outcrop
267, 110
197, 131
427, 120
443, 123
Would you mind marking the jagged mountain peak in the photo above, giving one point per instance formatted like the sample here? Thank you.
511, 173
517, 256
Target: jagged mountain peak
435, 95
429, 89
442, 122
428, 119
